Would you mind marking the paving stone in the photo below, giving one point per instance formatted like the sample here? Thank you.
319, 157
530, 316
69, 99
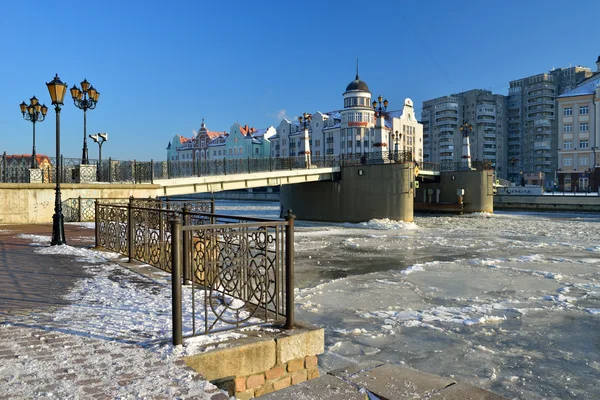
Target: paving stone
327, 387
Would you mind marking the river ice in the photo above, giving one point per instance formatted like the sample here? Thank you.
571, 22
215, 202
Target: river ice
506, 301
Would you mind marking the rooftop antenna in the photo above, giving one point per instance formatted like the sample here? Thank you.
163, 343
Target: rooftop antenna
357, 69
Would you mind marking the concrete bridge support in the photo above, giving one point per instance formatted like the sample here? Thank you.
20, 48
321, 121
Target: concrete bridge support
457, 191
362, 193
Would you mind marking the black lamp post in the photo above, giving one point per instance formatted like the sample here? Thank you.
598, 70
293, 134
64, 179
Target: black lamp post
396, 137
99, 138
380, 106
34, 112
57, 91
85, 99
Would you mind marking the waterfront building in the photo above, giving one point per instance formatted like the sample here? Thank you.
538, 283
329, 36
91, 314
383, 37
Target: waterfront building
356, 129
579, 136
239, 142
442, 117
533, 123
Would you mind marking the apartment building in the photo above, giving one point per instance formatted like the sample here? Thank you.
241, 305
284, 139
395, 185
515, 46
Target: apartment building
579, 136
485, 111
532, 122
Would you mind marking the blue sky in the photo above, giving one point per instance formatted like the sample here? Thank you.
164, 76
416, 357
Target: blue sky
161, 66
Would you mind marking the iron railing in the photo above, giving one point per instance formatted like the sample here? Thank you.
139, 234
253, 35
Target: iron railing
15, 169
240, 269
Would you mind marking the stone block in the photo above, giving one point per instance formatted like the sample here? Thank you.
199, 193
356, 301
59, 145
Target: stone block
392, 382
255, 381
247, 395
325, 388
310, 362
300, 345
275, 373
313, 373
268, 388
295, 365
241, 360
240, 384
299, 377
283, 383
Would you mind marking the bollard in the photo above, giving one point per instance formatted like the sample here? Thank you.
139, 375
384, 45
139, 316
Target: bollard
177, 313
289, 270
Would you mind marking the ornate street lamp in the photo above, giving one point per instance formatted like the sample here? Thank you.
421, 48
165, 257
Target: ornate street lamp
99, 138
85, 99
396, 137
380, 106
57, 91
305, 123
34, 112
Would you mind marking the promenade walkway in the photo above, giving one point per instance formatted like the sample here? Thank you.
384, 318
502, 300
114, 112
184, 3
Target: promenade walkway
45, 355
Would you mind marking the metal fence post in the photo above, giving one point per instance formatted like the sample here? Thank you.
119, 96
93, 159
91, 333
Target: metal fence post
79, 212
289, 270
152, 171
212, 205
134, 171
4, 167
224, 165
187, 278
109, 170
130, 230
249, 165
176, 282
97, 222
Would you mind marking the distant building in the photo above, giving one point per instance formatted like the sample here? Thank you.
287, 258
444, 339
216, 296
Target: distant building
356, 129
533, 123
206, 145
579, 136
485, 111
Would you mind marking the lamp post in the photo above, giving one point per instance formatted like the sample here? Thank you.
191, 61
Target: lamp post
99, 138
34, 112
380, 106
466, 130
305, 123
396, 137
57, 91
85, 99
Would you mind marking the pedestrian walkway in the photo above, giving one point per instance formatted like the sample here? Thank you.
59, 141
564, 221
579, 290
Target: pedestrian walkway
44, 356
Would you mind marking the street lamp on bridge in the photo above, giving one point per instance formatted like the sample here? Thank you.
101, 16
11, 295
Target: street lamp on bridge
34, 112
380, 106
99, 138
304, 124
57, 91
396, 137
85, 99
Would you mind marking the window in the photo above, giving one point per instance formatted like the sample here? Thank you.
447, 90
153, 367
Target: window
567, 145
568, 162
584, 127
256, 150
567, 128
567, 112
583, 144
584, 110
583, 161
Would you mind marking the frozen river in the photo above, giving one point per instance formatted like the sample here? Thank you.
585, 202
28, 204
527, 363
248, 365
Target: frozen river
508, 302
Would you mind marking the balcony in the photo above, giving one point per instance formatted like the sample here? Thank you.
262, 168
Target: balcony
446, 106
446, 119
541, 146
489, 142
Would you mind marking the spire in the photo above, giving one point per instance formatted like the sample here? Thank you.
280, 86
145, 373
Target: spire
202, 126
357, 69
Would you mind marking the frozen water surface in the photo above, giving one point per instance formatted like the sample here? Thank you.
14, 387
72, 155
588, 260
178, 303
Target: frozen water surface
506, 301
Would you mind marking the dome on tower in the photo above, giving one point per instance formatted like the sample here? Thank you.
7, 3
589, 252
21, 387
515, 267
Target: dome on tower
357, 84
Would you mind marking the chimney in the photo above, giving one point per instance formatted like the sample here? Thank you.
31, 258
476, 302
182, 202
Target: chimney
246, 128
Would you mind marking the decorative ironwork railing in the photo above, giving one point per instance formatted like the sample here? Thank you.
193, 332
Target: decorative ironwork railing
112, 171
240, 269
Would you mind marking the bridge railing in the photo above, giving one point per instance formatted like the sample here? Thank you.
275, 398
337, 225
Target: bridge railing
239, 269
15, 169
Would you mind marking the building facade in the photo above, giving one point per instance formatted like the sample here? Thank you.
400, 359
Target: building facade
579, 136
354, 130
533, 122
485, 111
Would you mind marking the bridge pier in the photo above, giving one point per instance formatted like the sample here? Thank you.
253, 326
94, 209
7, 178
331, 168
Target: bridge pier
360, 193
